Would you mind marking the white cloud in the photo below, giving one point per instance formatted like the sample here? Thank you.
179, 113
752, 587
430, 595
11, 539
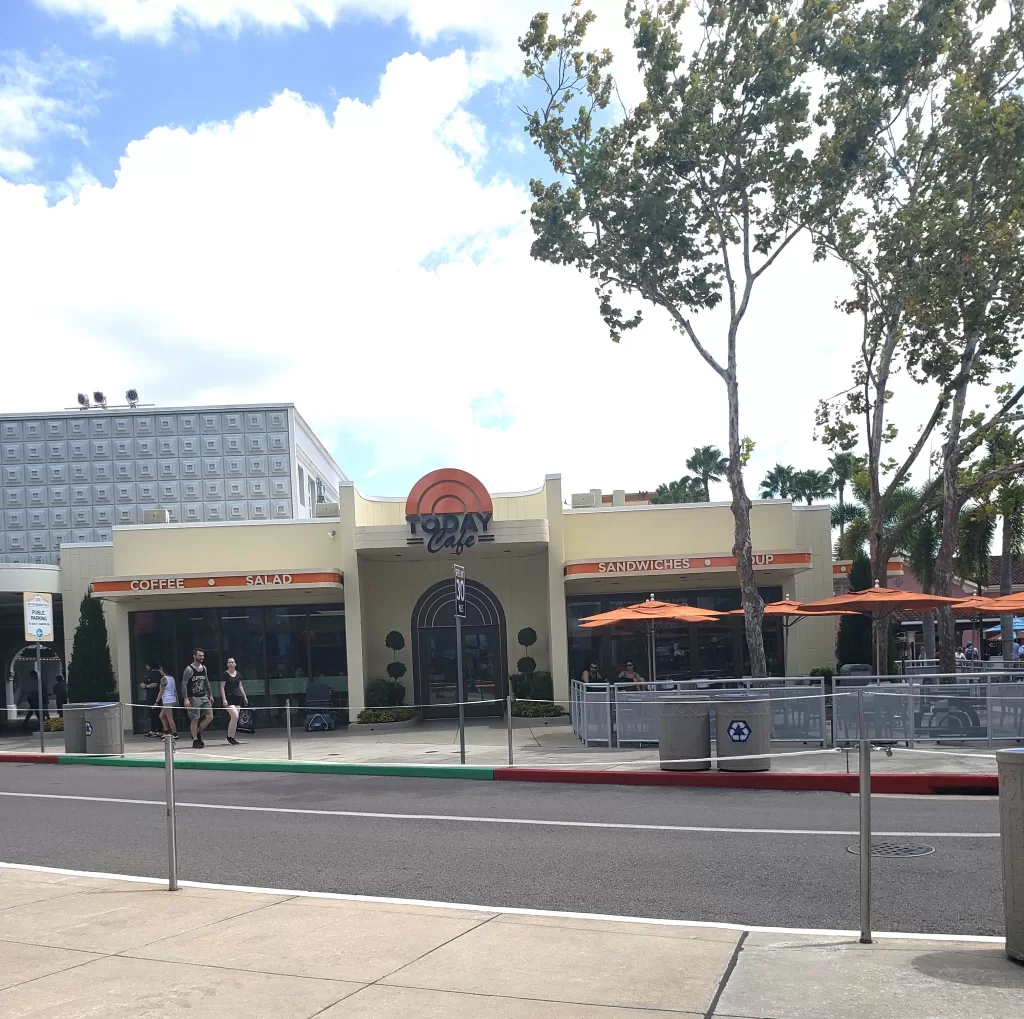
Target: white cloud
40, 99
356, 264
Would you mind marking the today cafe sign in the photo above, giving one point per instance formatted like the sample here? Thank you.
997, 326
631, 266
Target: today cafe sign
448, 509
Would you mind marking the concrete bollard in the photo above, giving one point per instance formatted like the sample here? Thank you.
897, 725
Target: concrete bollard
1011, 828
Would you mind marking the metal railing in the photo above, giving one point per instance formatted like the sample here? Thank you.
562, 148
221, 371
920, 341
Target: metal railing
930, 666
623, 714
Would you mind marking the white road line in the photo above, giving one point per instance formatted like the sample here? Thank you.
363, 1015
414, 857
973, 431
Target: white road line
513, 910
541, 822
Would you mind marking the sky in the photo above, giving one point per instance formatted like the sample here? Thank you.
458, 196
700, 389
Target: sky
324, 202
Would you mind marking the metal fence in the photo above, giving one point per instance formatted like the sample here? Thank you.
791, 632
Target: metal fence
930, 667
977, 708
621, 714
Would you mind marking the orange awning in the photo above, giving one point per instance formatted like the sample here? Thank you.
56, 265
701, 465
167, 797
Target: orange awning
878, 601
651, 611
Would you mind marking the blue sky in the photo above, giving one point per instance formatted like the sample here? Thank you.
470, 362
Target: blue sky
322, 202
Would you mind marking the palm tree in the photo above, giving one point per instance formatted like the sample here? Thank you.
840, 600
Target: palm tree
708, 464
777, 483
976, 529
811, 485
843, 466
686, 489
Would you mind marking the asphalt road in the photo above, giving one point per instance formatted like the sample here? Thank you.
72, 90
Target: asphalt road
791, 876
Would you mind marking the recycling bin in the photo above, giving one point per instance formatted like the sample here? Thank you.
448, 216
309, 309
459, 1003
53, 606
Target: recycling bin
684, 731
743, 727
1011, 828
74, 728
103, 733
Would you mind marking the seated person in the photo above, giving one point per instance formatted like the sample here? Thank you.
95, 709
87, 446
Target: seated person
630, 675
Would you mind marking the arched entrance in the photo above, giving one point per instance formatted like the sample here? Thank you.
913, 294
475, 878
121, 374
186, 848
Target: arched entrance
484, 651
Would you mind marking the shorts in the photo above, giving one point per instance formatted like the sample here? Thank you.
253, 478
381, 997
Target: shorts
235, 700
200, 706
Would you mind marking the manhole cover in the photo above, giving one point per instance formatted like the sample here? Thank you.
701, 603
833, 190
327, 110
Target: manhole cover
893, 849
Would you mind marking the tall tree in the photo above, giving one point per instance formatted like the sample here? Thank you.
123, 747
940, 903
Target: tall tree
933, 239
843, 465
708, 464
690, 198
90, 672
1004, 447
777, 483
975, 532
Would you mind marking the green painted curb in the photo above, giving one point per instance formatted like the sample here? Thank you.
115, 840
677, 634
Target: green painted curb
297, 767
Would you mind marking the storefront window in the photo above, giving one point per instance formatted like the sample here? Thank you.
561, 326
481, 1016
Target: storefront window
279, 651
681, 652
327, 650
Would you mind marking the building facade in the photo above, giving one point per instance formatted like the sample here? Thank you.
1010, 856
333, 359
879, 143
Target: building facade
300, 599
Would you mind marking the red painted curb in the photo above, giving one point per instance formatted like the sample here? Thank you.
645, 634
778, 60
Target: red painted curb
805, 781
28, 758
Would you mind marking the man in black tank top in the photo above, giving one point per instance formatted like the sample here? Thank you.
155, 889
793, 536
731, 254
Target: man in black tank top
197, 697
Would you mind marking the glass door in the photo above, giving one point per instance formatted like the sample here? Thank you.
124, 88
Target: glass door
481, 672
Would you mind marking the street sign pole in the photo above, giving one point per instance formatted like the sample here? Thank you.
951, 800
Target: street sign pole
39, 695
460, 614
39, 627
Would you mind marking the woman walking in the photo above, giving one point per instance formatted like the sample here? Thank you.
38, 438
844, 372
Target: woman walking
233, 697
167, 698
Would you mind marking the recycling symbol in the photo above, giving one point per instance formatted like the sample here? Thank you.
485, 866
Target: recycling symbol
739, 731
88, 729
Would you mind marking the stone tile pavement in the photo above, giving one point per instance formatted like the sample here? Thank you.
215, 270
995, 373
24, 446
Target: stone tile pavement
87, 948
536, 746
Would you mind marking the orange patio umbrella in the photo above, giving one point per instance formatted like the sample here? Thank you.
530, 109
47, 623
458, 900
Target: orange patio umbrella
1008, 604
791, 612
648, 615
878, 602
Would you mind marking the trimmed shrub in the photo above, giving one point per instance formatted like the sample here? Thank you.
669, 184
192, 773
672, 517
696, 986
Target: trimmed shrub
376, 716
530, 709
90, 673
385, 693
539, 686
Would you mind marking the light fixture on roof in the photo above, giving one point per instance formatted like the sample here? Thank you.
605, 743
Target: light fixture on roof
83, 401
132, 396
99, 399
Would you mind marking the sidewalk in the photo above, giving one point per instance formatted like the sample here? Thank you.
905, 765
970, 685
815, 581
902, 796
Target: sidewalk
77, 947
535, 746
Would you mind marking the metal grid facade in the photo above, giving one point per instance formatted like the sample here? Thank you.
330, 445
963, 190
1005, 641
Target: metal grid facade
72, 477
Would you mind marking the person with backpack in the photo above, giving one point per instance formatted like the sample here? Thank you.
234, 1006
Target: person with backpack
197, 697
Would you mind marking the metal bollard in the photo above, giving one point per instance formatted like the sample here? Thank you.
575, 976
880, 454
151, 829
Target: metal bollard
288, 724
172, 841
509, 711
120, 722
865, 842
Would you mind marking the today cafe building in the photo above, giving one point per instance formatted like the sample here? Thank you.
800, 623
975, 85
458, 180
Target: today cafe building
303, 601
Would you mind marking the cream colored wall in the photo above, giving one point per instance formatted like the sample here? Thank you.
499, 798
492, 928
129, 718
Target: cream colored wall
382, 513
556, 588
812, 641
80, 565
222, 548
531, 506
389, 592
664, 530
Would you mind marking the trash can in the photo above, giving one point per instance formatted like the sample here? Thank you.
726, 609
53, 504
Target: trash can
1011, 827
743, 726
684, 731
103, 733
74, 728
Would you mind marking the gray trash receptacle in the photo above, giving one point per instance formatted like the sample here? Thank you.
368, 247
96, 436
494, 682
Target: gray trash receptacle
1011, 828
684, 731
103, 729
743, 726
74, 728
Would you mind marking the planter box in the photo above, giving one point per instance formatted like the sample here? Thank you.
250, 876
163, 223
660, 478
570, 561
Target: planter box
409, 723
518, 722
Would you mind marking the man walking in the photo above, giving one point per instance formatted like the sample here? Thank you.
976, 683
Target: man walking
197, 697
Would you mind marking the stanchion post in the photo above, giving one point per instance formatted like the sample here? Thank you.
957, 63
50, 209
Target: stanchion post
288, 724
865, 842
172, 842
509, 712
